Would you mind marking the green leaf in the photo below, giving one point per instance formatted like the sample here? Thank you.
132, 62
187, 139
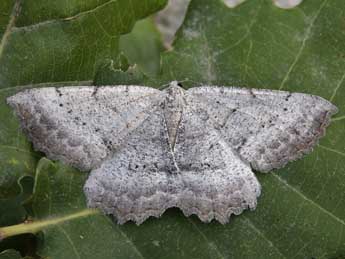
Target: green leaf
13, 211
16, 158
10, 254
143, 46
54, 41
301, 212
50, 41
70, 230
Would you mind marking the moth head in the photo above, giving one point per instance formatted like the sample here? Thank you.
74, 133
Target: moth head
175, 89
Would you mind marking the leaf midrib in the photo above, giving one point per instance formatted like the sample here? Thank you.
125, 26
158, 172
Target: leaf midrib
10, 25
68, 18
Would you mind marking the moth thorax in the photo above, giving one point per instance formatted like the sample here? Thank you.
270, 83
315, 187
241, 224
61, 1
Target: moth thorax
173, 108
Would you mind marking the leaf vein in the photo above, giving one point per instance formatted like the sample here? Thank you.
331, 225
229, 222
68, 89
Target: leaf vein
337, 87
338, 118
10, 25
70, 18
299, 53
19, 149
126, 237
332, 150
211, 244
258, 231
48, 84
339, 220
70, 241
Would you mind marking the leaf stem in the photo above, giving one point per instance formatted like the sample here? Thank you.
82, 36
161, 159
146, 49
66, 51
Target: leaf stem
35, 226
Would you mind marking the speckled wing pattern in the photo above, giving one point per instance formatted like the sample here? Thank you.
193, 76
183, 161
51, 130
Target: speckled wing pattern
82, 125
140, 179
266, 128
216, 182
149, 150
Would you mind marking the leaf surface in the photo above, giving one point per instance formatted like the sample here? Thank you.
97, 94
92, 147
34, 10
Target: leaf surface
10, 254
54, 43
71, 230
301, 212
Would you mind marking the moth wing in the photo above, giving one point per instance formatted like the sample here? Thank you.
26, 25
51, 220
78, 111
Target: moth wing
140, 180
266, 128
82, 125
216, 182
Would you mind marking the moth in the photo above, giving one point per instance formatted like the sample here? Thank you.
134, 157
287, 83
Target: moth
149, 150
